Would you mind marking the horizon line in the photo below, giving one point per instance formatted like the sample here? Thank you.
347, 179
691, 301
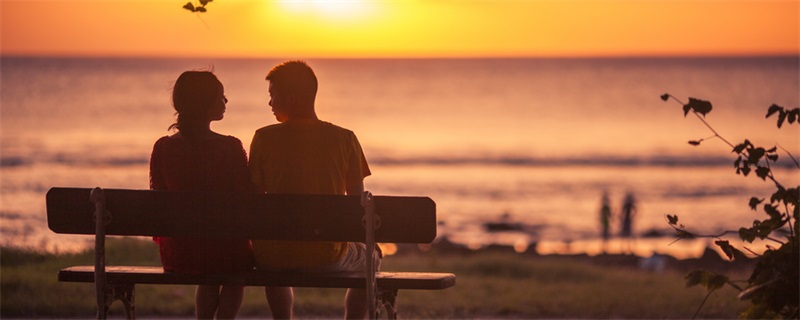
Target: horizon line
410, 57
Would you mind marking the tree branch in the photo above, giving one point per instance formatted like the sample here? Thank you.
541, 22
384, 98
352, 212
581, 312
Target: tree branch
797, 164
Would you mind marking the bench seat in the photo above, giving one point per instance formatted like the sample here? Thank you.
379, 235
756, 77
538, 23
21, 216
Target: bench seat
157, 275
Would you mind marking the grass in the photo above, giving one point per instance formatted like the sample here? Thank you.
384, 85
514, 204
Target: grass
489, 285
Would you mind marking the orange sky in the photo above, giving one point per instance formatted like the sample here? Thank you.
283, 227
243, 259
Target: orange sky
400, 28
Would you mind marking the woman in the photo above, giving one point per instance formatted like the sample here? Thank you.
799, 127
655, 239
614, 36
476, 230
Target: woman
198, 159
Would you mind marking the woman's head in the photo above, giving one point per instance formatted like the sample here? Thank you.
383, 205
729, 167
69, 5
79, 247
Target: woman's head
198, 98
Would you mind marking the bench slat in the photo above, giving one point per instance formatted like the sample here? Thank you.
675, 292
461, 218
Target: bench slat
156, 275
253, 216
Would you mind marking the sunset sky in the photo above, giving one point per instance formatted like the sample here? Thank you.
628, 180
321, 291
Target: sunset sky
400, 28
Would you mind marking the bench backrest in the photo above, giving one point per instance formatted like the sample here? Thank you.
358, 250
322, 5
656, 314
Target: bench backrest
253, 216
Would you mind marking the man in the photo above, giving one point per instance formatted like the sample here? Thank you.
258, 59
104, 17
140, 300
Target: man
304, 155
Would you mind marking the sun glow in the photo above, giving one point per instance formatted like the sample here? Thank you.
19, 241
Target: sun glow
400, 28
343, 10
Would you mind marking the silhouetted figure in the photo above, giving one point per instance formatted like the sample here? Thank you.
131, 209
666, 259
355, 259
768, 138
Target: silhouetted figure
304, 155
627, 215
605, 218
198, 159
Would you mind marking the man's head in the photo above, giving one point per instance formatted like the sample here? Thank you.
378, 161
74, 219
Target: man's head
292, 89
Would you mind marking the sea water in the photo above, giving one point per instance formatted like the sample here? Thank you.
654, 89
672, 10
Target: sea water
526, 144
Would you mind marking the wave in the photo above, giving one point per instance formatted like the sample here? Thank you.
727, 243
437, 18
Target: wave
14, 161
72, 160
519, 161
523, 161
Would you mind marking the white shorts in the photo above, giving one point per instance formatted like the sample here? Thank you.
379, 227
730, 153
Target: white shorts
354, 260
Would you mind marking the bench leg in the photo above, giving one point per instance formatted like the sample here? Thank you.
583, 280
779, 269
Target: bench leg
125, 293
388, 299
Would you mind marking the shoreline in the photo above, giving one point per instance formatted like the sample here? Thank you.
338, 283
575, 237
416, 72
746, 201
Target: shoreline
709, 259
644, 252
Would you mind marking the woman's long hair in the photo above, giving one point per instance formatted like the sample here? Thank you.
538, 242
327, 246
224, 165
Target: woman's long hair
193, 95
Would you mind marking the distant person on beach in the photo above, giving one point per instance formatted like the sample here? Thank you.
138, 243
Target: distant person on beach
305, 155
627, 215
628, 212
198, 159
605, 218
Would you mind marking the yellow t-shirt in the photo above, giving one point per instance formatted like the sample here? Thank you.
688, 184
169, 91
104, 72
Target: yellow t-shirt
304, 157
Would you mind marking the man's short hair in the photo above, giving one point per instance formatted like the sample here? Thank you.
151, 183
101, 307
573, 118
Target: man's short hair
294, 76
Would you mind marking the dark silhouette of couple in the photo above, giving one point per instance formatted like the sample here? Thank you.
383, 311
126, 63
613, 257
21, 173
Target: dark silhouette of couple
301, 154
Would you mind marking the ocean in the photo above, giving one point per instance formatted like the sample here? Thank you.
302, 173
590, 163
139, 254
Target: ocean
514, 151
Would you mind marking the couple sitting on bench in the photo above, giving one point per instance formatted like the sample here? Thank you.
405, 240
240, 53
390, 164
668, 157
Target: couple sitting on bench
299, 155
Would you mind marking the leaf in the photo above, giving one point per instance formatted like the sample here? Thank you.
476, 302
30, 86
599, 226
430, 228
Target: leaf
673, 219
700, 106
772, 109
189, 6
686, 109
791, 117
773, 212
729, 250
779, 195
665, 96
745, 170
759, 230
710, 280
747, 235
695, 142
762, 172
716, 281
792, 196
781, 118
726, 248
204, 2
694, 278
754, 202
740, 147
794, 115
200, 9
755, 154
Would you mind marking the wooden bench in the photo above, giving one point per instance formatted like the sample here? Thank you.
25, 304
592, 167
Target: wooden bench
254, 216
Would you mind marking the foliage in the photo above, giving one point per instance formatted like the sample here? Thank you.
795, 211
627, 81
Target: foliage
772, 288
197, 8
491, 285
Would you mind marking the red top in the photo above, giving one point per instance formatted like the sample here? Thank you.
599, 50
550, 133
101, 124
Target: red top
217, 163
